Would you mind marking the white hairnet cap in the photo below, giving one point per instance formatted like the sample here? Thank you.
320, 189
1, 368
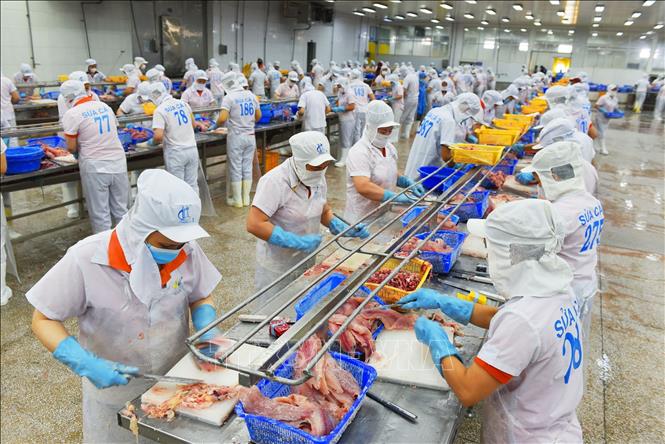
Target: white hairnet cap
189, 61
393, 78
153, 74
314, 61
200, 74
157, 91
169, 205
254, 66
80, 76
511, 91
550, 115
160, 68
140, 60
213, 63
72, 89
242, 81
492, 97
144, 90
355, 74
556, 94
471, 101
556, 130
559, 168
612, 87
89, 62
341, 81
275, 63
293, 76
128, 68
311, 148
25, 68
380, 115
230, 83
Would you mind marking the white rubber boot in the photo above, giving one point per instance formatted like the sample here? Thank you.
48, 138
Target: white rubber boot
603, 149
236, 193
342, 161
246, 188
5, 291
407, 131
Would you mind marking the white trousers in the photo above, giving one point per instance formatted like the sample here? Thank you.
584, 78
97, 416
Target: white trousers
409, 113
183, 163
107, 198
240, 150
360, 126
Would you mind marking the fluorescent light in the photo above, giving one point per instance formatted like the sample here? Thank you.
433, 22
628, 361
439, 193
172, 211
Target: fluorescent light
529, 16
412, 14
594, 34
649, 32
450, 18
399, 17
425, 10
488, 44
595, 25
543, 30
506, 30
636, 14
537, 24
517, 7
554, 2
505, 19
471, 2
380, 5
564, 48
642, 37
387, 19
565, 21
445, 5
484, 22
571, 31
619, 34
560, 13
628, 23
428, 27
434, 20
356, 12
600, 8
480, 28
523, 29
648, 3
395, 1
549, 32
469, 15
658, 26
439, 27
490, 11
368, 9
466, 29
597, 19
524, 46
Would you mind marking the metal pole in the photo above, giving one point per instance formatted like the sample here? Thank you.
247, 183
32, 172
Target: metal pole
32, 46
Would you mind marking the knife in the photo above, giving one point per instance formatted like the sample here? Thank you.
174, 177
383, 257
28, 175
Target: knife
393, 407
171, 379
492, 296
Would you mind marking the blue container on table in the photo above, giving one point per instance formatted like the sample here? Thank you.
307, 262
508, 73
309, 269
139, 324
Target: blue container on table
125, 138
266, 113
263, 430
53, 95
443, 262
176, 85
593, 87
472, 210
529, 136
625, 89
150, 133
54, 141
294, 108
616, 114
507, 166
370, 76
440, 180
416, 211
23, 159
602, 87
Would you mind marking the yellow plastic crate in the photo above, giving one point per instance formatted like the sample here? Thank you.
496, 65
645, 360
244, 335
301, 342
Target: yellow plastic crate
532, 109
511, 124
117, 79
491, 136
63, 78
390, 294
476, 153
528, 119
539, 102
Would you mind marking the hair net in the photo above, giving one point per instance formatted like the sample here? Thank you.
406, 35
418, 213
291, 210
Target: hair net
189, 61
144, 90
230, 82
306, 84
254, 66
292, 76
158, 93
379, 115
511, 91
466, 105
556, 95
138, 61
314, 62
72, 90
242, 81
276, 63
90, 62
153, 75
341, 82
551, 115
200, 74
556, 130
80, 76
355, 74
213, 63
492, 98
25, 68
128, 68
560, 169
160, 68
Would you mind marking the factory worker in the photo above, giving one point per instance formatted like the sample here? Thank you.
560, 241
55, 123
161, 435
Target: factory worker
493, 105
557, 96
381, 77
173, 124
6, 251
579, 106
411, 91
289, 207
9, 96
94, 76
235, 68
288, 89
345, 109
190, 71
317, 72
133, 79
91, 130
363, 95
329, 79
198, 95
605, 104
135, 102
660, 98
153, 75
491, 79
529, 370
563, 131
433, 87
371, 167
509, 96
132, 290
26, 75
641, 87
257, 81
440, 128
312, 108
295, 66
168, 84
396, 102
559, 169
274, 78
215, 76
241, 110
141, 64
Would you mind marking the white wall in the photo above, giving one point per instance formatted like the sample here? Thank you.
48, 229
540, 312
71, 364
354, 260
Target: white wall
59, 37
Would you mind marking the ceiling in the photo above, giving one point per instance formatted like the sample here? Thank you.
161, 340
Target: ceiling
582, 13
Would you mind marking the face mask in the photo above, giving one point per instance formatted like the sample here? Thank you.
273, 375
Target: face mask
93, 70
292, 82
162, 255
308, 178
498, 262
380, 140
199, 86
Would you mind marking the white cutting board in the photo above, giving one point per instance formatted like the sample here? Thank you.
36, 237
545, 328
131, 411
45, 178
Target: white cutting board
400, 358
511, 184
217, 413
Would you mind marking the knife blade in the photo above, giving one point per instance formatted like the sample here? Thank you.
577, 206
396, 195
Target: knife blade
171, 379
493, 296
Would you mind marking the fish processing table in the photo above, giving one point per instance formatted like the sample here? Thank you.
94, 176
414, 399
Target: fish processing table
439, 412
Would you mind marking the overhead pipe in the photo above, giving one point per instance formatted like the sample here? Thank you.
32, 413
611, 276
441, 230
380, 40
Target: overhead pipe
32, 46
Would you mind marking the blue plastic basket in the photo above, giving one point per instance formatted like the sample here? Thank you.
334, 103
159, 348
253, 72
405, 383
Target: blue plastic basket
264, 430
266, 113
54, 141
616, 114
53, 95
23, 159
415, 212
625, 89
294, 108
125, 138
473, 210
440, 181
507, 166
176, 85
443, 262
529, 136
150, 133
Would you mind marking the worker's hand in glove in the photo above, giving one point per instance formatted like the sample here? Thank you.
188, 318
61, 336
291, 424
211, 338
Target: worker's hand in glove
100, 372
338, 109
202, 316
472, 138
406, 182
286, 239
433, 335
401, 199
426, 298
518, 149
525, 178
336, 226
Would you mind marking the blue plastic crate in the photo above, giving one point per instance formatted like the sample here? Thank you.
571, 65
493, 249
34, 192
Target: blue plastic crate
125, 138
625, 89
529, 136
441, 180
263, 430
54, 141
150, 133
266, 113
53, 95
473, 210
443, 262
616, 114
415, 212
23, 159
507, 166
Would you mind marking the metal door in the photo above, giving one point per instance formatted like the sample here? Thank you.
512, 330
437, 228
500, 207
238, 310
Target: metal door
171, 43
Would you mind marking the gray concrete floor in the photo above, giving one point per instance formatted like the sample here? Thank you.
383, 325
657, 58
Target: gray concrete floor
41, 399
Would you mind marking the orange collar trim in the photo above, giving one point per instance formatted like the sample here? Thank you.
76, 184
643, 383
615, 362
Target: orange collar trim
83, 100
117, 258
167, 269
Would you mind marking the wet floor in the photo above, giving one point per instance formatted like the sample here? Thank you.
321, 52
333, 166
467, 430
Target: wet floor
41, 399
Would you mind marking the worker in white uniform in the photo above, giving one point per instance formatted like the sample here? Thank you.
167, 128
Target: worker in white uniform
241, 110
288, 89
641, 87
586, 142
441, 128
509, 96
493, 104
371, 168
604, 105
188, 77
445, 95
433, 88
134, 103
363, 95
491, 79
288, 209
396, 96
141, 64
133, 79
132, 290
168, 84
198, 95
559, 173
215, 76
173, 124
579, 106
382, 77
153, 75
529, 370
91, 129
312, 108
660, 98
411, 90
295, 66
345, 109
274, 79
317, 72
94, 75
6, 251
26, 75
9, 96
257, 81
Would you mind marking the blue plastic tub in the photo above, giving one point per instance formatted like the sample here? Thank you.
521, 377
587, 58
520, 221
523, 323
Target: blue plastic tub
125, 138
443, 262
473, 210
54, 141
264, 430
294, 108
507, 166
625, 89
529, 136
266, 113
616, 114
53, 95
416, 211
150, 133
440, 180
24, 159
176, 85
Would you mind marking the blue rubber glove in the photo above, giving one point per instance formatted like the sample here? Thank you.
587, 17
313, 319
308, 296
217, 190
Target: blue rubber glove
336, 226
472, 138
338, 109
426, 298
203, 315
286, 239
435, 337
525, 178
602, 110
406, 182
100, 372
518, 108
401, 199
518, 149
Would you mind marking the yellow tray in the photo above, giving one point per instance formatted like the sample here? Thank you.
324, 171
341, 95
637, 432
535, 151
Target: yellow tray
511, 124
503, 137
390, 294
520, 118
476, 154
533, 109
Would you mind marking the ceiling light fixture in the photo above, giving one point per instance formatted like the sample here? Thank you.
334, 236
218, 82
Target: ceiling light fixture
380, 5
649, 32
471, 2
628, 23
537, 24
368, 9
356, 12
506, 30
595, 25
529, 16
399, 17
597, 19
505, 19
648, 3
434, 20
439, 27
412, 14
594, 34
523, 29
445, 5
481, 28
658, 26
425, 10
490, 11
619, 34
517, 7
395, 1
571, 31
466, 29
642, 37
560, 13
549, 32
469, 15
428, 27
636, 14
387, 19
554, 2
450, 18
600, 8
484, 22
